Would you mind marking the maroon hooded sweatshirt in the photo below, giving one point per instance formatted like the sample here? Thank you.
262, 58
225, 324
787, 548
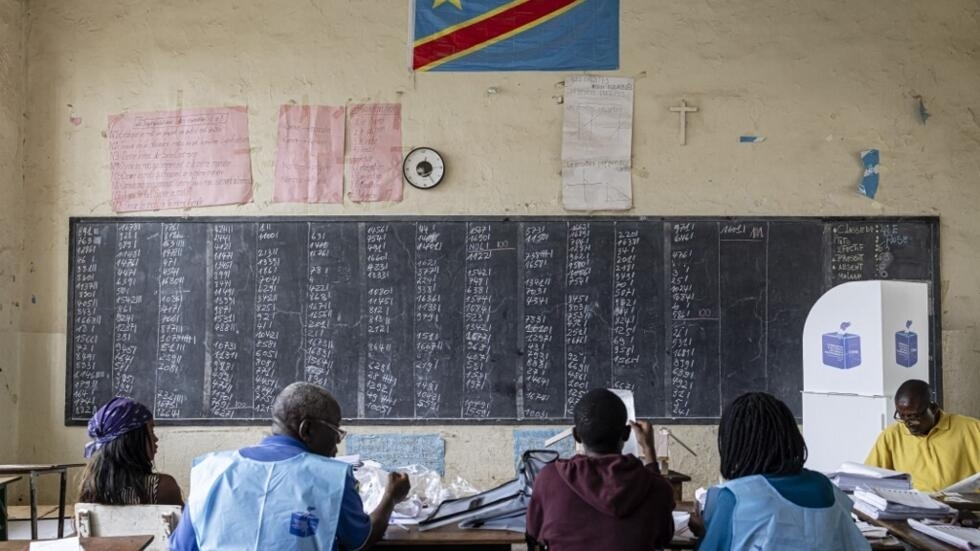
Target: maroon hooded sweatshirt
602, 502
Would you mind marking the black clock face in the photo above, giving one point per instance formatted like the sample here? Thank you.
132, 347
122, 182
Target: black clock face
424, 167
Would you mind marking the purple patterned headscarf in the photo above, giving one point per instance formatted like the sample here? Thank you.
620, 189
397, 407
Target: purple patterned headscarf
118, 417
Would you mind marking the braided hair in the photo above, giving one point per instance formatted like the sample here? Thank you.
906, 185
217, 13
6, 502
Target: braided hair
758, 435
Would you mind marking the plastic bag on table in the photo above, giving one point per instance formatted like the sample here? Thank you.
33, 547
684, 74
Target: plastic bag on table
371, 483
426, 484
460, 487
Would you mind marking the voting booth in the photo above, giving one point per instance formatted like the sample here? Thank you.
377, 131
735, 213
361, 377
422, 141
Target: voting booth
861, 341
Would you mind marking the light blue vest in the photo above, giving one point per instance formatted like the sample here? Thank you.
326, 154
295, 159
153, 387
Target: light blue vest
764, 519
239, 504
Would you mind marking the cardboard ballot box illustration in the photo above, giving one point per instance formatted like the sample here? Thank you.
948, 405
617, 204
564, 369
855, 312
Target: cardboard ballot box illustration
850, 375
842, 349
858, 338
907, 346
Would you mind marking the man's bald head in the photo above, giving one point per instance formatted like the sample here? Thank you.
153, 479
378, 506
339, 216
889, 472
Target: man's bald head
300, 401
914, 390
915, 408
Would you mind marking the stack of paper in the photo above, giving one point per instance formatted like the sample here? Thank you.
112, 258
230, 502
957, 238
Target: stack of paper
957, 536
970, 502
852, 475
871, 531
968, 485
891, 504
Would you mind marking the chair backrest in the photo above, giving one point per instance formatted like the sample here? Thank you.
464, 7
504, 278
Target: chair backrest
94, 520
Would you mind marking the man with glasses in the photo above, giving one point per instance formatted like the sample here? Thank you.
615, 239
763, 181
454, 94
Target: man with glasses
937, 448
286, 493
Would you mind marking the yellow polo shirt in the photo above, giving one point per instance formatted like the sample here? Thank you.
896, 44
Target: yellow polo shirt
948, 454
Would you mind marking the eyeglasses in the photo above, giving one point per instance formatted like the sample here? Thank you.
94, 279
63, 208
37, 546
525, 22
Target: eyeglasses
912, 417
341, 433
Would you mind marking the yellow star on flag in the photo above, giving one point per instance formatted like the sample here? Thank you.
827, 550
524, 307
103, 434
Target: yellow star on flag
457, 3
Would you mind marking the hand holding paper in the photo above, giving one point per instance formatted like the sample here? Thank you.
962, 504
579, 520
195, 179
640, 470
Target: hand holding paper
643, 432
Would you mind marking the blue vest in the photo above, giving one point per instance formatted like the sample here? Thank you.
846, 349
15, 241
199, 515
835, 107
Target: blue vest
764, 519
239, 504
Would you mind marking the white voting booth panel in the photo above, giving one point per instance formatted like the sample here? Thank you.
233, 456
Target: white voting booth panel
867, 338
861, 341
842, 427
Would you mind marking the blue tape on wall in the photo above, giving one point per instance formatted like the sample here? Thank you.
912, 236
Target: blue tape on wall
533, 439
869, 180
399, 450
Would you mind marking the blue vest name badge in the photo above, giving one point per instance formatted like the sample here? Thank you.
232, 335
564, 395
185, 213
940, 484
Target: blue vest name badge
842, 349
303, 525
907, 346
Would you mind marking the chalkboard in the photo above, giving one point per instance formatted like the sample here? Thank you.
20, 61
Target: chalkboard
462, 319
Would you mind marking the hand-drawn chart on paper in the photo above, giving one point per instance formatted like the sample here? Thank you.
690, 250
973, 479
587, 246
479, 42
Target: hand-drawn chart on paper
597, 136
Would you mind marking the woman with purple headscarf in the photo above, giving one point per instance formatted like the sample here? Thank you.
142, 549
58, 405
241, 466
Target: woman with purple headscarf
120, 469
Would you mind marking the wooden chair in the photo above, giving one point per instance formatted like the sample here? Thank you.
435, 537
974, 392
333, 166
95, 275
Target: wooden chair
93, 520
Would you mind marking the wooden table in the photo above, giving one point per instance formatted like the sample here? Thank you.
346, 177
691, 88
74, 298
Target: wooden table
901, 530
34, 471
453, 538
120, 543
449, 538
4, 480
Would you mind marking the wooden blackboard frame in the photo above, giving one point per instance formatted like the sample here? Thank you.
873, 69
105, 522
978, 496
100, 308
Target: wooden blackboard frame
933, 223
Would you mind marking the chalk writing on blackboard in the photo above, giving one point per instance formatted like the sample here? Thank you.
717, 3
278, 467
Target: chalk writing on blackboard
460, 320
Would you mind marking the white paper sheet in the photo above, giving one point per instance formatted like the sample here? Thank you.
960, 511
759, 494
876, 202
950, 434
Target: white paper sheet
597, 138
627, 397
66, 544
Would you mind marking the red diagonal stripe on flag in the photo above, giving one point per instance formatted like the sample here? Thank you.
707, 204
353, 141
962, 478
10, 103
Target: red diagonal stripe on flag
486, 30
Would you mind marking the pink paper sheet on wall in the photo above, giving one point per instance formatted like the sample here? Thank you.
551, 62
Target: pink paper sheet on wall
178, 159
374, 152
310, 157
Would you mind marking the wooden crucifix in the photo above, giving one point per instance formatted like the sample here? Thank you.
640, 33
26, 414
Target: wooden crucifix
683, 109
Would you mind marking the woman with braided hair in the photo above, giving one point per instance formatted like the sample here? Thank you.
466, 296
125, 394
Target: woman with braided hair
769, 500
120, 469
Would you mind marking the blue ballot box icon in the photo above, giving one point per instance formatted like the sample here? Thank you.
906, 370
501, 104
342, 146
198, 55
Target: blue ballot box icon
842, 349
907, 346
303, 524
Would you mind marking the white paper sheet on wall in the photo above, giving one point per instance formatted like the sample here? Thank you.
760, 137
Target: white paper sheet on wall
597, 138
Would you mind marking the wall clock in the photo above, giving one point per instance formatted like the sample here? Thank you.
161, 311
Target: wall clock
424, 167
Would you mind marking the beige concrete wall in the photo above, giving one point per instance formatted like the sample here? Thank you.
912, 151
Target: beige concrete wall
822, 80
13, 88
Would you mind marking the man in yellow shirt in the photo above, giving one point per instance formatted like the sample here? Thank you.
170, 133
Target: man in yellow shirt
937, 448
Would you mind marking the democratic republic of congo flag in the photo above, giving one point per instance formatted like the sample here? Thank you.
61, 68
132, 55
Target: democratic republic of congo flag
515, 35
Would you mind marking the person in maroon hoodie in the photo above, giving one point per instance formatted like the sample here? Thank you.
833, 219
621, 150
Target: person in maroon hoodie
602, 499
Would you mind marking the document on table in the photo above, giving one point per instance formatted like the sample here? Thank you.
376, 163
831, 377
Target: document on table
957, 536
66, 544
967, 485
